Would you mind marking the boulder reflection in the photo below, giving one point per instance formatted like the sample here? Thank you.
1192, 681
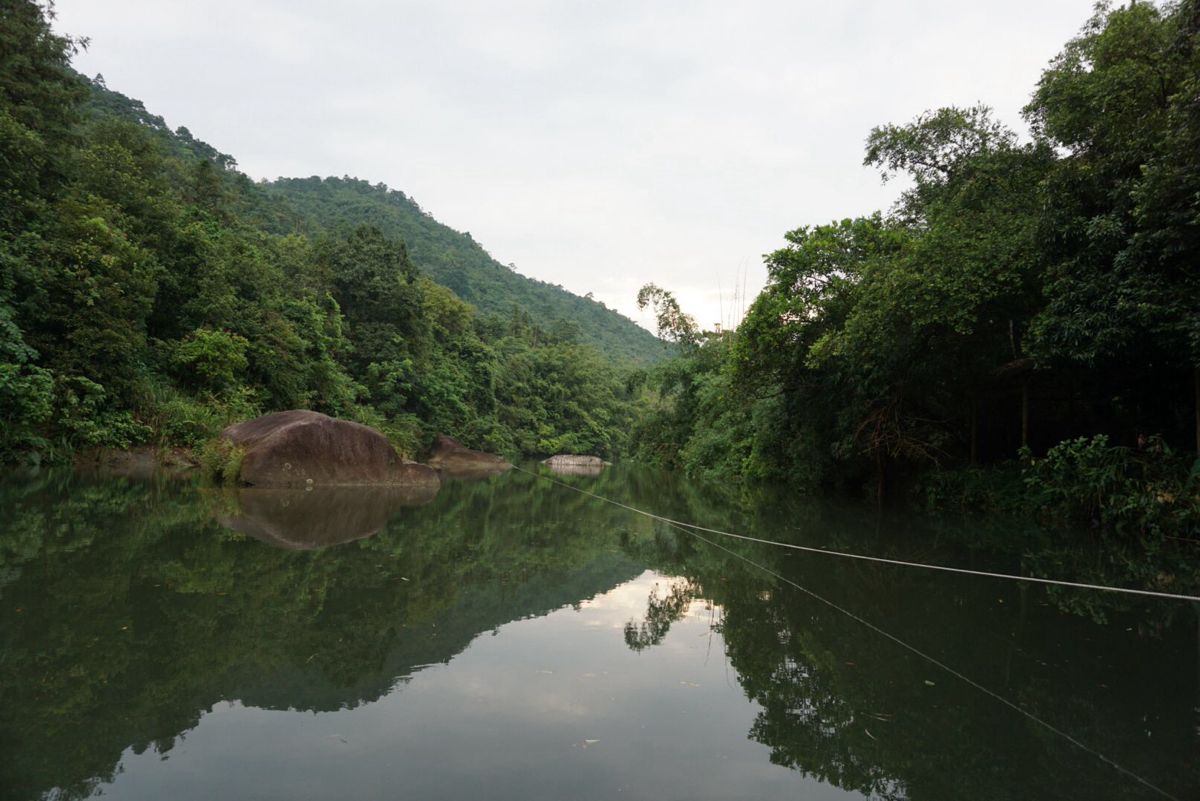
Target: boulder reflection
305, 520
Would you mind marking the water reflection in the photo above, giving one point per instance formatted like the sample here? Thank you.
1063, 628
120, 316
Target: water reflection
576, 469
318, 517
129, 615
839, 702
567, 465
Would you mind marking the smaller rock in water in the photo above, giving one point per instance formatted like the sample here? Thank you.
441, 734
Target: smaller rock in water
564, 459
576, 465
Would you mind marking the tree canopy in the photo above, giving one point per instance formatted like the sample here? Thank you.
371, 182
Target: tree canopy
1023, 292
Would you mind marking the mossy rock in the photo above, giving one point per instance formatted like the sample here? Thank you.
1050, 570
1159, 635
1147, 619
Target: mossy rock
301, 448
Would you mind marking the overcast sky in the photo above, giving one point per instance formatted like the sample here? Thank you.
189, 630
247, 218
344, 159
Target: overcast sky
597, 145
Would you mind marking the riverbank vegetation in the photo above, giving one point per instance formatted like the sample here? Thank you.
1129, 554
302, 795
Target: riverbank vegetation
1022, 329
152, 293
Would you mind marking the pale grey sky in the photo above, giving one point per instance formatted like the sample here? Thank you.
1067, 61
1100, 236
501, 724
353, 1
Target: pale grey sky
597, 145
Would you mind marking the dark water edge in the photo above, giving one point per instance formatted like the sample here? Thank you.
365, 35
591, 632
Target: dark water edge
511, 638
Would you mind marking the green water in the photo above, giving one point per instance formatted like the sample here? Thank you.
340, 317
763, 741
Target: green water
513, 639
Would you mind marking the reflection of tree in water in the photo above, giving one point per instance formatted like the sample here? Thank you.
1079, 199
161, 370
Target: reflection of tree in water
660, 614
806, 717
842, 704
127, 611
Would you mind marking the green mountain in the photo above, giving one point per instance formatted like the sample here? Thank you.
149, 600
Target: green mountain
151, 293
451, 258
456, 260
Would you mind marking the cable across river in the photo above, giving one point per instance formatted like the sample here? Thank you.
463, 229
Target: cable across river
693, 530
864, 557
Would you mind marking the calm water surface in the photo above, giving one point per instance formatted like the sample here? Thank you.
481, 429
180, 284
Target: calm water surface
513, 639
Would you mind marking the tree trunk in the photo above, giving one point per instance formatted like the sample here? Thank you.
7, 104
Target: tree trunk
1196, 378
974, 431
1025, 414
880, 485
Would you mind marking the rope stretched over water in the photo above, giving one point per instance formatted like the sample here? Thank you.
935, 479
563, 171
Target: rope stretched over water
692, 530
864, 557
965, 679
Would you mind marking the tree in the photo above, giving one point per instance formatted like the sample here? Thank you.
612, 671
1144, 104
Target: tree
673, 324
1121, 227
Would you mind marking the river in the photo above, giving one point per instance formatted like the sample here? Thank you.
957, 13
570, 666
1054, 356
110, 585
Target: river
513, 638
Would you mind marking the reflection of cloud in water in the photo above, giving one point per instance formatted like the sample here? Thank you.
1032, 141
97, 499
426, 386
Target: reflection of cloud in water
628, 598
320, 517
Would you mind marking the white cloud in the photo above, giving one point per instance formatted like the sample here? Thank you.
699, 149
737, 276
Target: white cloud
596, 145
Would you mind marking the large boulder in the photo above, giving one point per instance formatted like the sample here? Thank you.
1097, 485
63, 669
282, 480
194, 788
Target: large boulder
455, 459
302, 448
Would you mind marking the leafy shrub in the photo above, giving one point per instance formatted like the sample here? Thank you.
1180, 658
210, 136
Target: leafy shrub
999, 488
212, 359
86, 419
179, 419
175, 418
1136, 492
221, 461
405, 432
1087, 481
26, 401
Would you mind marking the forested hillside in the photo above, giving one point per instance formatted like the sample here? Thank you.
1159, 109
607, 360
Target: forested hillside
151, 293
457, 261
1021, 330
1030, 306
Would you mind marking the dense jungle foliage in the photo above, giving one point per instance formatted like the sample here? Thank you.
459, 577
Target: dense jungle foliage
1030, 299
151, 293
457, 261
